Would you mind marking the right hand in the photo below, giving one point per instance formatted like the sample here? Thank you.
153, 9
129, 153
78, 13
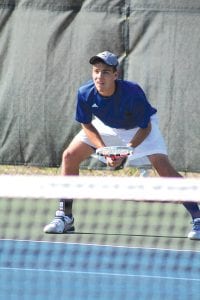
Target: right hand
114, 163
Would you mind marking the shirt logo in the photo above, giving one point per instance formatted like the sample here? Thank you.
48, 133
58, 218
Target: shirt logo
94, 105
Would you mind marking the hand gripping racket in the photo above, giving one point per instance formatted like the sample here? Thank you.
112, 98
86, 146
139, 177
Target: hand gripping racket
115, 152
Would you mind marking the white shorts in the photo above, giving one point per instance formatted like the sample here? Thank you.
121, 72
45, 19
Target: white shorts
153, 144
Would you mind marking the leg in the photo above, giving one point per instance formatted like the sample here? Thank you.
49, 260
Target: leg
77, 152
164, 168
71, 159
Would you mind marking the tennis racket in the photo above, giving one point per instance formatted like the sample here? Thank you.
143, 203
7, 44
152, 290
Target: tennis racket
115, 152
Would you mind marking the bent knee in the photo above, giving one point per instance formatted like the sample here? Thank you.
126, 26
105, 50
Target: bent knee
163, 166
68, 155
76, 154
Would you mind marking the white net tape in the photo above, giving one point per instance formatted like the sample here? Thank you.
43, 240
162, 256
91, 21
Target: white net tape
98, 187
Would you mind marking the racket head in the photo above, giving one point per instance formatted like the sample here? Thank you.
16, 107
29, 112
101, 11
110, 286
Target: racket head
114, 152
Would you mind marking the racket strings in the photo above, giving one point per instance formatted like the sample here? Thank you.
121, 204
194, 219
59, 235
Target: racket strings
115, 152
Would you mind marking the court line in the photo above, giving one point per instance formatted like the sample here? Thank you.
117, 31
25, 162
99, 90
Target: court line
100, 274
100, 245
94, 273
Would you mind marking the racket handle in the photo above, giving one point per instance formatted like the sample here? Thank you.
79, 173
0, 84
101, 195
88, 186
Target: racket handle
130, 145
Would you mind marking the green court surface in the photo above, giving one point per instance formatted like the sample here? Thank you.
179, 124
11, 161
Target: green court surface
119, 250
126, 223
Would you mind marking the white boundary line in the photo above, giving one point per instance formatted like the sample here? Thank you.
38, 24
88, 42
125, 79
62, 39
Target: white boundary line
99, 245
102, 274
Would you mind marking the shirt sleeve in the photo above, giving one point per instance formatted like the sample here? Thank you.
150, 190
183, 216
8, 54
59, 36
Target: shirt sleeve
83, 110
143, 109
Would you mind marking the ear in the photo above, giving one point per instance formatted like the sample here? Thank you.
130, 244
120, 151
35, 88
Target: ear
116, 74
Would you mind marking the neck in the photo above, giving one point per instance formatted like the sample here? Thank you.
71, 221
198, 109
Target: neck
108, 93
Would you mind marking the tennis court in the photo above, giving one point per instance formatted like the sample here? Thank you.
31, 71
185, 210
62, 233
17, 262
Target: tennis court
57, 270
120, 249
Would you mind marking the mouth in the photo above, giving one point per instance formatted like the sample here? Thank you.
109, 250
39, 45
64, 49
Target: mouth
100, 83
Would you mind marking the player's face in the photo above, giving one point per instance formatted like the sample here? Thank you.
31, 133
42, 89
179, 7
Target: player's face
104, 78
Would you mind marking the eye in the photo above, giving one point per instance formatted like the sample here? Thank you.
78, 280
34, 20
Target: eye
106, 72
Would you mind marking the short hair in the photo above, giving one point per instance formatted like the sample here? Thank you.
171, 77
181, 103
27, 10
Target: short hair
99, 60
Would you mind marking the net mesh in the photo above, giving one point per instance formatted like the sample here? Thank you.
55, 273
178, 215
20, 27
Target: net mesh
130, 239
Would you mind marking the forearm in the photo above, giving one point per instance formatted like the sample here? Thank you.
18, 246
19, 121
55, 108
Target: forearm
140, 136
93, 135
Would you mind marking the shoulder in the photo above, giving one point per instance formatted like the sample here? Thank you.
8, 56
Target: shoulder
129, 86
86, 88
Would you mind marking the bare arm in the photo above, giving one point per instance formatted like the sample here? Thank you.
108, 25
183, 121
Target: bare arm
93, 135
140, 136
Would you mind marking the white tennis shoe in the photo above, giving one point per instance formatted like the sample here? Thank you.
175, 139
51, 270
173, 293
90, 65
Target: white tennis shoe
195, 233
60, 224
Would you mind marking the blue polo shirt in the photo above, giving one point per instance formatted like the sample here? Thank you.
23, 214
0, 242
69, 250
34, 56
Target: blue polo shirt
127, 108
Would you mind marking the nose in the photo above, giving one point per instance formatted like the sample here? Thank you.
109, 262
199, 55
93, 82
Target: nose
100, 74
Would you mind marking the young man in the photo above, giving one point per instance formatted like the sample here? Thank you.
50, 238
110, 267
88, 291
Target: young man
114, 112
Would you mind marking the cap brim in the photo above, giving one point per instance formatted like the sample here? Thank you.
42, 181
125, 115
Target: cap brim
95, 58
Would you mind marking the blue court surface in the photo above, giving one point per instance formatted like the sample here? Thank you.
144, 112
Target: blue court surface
48, 270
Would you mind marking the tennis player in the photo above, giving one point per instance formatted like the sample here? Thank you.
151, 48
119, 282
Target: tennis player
114, 112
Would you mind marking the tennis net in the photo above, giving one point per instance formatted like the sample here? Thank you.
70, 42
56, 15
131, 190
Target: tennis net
130, 238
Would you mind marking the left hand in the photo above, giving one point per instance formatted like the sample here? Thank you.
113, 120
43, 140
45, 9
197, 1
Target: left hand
114, 163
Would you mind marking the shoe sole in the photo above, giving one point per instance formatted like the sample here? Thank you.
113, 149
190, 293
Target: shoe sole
70, 230
197, 238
